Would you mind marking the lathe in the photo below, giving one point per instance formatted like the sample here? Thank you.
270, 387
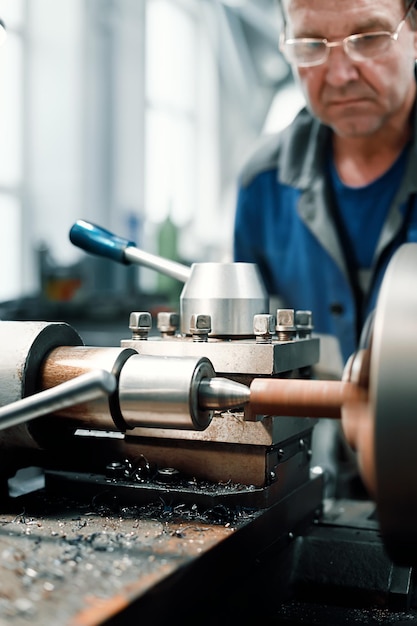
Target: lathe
175, 469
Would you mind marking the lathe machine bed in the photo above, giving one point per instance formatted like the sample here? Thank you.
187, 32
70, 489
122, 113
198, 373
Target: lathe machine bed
170, 479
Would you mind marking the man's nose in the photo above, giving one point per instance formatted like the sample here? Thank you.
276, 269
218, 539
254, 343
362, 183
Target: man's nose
340, 69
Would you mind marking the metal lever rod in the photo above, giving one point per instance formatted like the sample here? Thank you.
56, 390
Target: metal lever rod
75, 391
99, 241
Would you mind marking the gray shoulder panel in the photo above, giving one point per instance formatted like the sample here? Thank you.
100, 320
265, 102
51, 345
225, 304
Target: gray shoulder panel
264, 157
282, 151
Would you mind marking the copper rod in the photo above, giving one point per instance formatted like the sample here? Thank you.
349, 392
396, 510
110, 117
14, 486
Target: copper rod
303, 398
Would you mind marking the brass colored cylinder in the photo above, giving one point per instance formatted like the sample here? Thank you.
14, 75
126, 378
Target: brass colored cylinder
303, 398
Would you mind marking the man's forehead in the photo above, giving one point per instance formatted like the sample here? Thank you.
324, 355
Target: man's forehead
292, 6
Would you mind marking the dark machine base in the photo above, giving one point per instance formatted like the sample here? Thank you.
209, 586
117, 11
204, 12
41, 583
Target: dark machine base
106, 560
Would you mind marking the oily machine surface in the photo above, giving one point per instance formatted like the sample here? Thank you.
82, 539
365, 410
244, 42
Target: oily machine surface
169, 478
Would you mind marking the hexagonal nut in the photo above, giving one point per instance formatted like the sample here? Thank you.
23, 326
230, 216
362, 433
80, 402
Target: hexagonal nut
200, 323
167, 321
263, 324
140, 320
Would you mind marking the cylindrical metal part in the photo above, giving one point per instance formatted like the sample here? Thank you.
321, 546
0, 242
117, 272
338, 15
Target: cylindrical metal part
162, 392
231, 293
81, 389
65, 363
222, 393
153, 262
302, 398
393, 370
24, 346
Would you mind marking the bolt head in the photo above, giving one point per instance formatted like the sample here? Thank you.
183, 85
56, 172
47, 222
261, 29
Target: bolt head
140, 320
263, 324
304, 319
200, 323
167, 321
285, 319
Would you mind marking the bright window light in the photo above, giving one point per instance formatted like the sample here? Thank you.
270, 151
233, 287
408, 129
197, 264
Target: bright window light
10, 247
11, 111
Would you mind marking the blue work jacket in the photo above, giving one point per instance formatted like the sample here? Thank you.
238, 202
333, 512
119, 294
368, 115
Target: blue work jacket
284, 224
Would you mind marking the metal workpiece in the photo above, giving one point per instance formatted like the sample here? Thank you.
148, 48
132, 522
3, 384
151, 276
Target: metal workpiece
303, 398
65, 363
163, 392
81, 389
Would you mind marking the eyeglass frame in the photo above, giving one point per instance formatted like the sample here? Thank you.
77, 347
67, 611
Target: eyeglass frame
343, 42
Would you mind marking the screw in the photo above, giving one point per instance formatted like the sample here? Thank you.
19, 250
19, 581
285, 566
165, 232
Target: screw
118, 469
285, 324
263, 327
200, 326
167, 322
304, 323
167, 475
140, 323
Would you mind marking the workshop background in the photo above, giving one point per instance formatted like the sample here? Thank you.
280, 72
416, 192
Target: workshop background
136, 115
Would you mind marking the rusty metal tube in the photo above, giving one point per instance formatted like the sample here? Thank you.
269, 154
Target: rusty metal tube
303, 398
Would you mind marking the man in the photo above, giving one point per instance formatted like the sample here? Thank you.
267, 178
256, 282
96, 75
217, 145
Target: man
323, 205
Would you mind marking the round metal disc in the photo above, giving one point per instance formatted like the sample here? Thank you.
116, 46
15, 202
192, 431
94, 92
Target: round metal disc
393, 397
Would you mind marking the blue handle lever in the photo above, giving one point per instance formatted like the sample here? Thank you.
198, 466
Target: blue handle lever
99, 241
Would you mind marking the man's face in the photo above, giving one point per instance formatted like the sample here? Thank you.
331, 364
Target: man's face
355, 98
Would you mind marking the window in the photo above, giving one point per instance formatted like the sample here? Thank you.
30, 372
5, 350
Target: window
180, 110
11, 165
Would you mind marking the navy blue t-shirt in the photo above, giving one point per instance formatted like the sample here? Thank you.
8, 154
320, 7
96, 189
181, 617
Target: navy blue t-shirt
363, 210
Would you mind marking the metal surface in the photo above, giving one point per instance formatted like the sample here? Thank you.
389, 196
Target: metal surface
66, 362
154, 262
238, 357
152, 391
24, 345
393, 385
163, 392
222, 393
231, 293
75, 564
83, 388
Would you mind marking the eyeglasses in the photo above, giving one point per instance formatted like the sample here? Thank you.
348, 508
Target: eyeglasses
307, 52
